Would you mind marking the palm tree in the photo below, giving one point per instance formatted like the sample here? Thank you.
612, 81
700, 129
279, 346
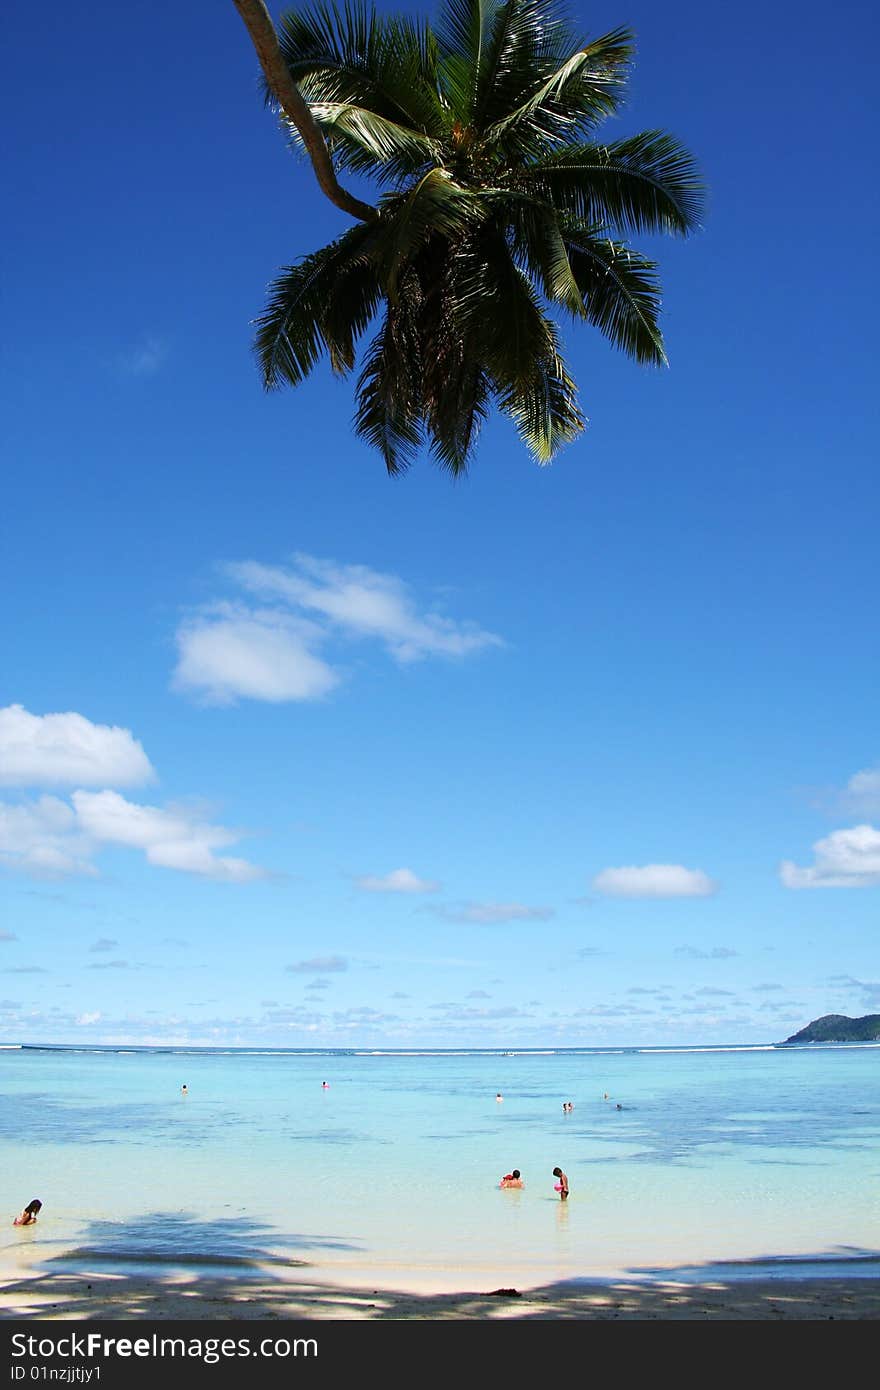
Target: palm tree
497, 212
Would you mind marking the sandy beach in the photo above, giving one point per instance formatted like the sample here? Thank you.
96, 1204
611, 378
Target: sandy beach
43, 1295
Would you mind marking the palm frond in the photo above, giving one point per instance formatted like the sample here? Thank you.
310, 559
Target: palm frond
462, 29
540, 248
497, 308
515, 27
529, 40
388, 415
461, 26
305, 317
620, 291
366, 142
456, 390
578, 93
455, 414
350, 307
544, 408
648, 182
437, 205
385, 64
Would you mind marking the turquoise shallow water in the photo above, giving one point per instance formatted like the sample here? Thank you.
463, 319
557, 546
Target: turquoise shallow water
718, 1156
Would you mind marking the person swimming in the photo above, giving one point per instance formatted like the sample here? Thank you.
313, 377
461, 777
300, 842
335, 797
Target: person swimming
512, 1179
28, 1216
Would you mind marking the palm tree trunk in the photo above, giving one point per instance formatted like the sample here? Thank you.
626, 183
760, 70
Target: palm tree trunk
259, 25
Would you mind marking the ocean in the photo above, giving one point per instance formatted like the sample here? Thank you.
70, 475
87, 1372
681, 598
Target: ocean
732, 1161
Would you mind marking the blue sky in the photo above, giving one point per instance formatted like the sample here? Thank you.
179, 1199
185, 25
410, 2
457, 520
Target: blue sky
292, 753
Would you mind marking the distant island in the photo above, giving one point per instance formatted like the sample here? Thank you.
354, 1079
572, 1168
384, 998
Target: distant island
839, 1028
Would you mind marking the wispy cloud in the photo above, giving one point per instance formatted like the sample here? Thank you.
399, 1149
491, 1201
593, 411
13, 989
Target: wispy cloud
397, 881
861, 796
847, 858
233, 650
695, 952
318, 965
868, 990
364, 603
654, 881
144, 358
492, 913
469, 1014
362, 1013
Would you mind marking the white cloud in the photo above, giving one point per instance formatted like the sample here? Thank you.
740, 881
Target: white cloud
845, 859
398, 881
654, 881
230, 653
48, 838
67, 749
169, 838
42, 838
233, 651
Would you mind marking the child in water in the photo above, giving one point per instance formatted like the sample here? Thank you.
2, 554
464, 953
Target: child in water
29, 1215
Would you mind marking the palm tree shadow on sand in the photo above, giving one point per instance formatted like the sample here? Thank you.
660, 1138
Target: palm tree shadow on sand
166, 1267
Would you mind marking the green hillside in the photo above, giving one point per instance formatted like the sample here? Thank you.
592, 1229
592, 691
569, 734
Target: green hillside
839, 1028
